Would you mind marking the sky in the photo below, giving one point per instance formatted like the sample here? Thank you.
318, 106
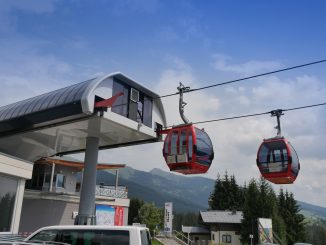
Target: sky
50, 44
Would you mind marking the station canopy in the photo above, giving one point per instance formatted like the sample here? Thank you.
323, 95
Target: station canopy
59, 122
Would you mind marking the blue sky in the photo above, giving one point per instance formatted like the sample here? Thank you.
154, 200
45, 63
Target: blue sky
49, 44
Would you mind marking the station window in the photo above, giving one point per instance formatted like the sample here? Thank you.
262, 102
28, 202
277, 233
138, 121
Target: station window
121, 104
60, 180
133, 104
226, 239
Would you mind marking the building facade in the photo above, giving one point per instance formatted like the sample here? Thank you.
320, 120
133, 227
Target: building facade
224, 226
52, 196
13, 174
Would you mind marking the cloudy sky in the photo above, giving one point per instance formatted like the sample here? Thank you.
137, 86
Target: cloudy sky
49, 44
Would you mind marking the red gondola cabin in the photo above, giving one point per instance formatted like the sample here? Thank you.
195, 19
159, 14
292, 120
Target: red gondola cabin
188, 150
277, 161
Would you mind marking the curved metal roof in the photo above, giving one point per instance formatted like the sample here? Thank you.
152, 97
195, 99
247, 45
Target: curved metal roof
71, 102
59, 122
60, 97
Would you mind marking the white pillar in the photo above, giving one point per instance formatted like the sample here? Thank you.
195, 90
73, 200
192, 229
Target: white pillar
51, 178
86, 212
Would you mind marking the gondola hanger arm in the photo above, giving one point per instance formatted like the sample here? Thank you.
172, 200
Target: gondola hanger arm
182, 89
278, 113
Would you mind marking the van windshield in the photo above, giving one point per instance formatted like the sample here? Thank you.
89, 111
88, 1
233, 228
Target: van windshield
84, 237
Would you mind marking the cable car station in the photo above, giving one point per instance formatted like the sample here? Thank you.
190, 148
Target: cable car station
101, 113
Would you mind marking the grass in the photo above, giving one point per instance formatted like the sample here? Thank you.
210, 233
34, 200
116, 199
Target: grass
155, 242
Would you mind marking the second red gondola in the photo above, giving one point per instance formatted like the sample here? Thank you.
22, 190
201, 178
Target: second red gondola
188, 150
278, 161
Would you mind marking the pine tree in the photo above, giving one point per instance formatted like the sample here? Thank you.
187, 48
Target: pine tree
134, 207
250, 213
294, 221
227, 195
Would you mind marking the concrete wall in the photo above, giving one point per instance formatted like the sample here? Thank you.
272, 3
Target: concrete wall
38, 213
45, 209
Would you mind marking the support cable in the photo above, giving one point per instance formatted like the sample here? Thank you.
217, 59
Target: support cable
256, 114
247, 78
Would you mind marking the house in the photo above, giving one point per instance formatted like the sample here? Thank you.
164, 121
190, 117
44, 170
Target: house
218, 227
224, 225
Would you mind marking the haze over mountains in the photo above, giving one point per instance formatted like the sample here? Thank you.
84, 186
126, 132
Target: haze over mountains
188, 194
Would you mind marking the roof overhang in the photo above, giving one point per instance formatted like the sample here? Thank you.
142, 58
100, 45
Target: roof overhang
76, 164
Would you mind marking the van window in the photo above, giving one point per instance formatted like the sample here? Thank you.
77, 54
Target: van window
145, 237
84, 237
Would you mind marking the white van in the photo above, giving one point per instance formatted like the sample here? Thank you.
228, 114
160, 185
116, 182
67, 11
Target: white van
92, 235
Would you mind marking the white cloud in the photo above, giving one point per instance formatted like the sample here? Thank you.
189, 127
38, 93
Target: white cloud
8, 21
25, 73
248, 68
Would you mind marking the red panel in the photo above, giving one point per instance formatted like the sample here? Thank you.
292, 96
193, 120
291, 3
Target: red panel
118, 216
188, 168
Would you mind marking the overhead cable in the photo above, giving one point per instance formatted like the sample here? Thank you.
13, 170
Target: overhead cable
247, 78
255, 114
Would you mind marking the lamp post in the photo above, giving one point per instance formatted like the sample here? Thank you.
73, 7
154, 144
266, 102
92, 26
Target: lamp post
251, 236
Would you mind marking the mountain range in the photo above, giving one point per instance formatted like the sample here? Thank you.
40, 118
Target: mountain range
187, 193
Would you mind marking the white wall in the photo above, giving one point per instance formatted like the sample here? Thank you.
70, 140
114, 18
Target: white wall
216, 237
15, 167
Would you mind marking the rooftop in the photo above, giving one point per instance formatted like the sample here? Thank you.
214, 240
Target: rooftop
219, 216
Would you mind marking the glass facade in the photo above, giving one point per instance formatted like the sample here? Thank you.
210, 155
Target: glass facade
8, 189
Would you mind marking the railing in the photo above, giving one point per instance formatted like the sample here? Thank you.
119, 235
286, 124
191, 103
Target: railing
111, 191
181, 237
175, 235
185, 240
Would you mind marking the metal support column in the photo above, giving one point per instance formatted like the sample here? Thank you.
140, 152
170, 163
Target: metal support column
116, 178
86, 212
51, 178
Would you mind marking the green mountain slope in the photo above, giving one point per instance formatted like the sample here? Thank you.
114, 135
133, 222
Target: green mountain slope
188, 193
312, 211
155, 188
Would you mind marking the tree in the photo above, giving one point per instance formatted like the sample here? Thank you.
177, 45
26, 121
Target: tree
186, 219
316, 233
250, 213
294, 221
226, 195
150, 215
134, 207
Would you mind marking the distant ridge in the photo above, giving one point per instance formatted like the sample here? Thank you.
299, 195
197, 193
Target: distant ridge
188, 193
313, 211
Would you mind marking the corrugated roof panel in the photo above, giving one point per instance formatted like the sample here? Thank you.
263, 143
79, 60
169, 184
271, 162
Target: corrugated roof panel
43, 102
222, 216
